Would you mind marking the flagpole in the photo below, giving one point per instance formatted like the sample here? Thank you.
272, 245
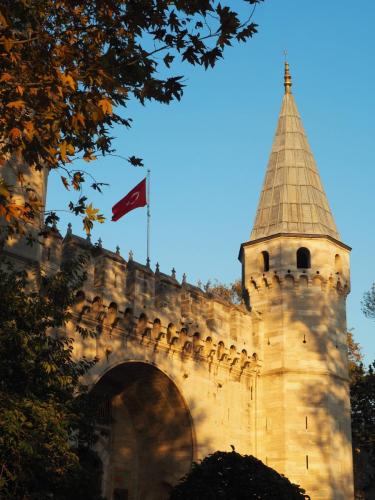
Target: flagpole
148, 217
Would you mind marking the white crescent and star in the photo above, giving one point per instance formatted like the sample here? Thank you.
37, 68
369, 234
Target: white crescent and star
133, 199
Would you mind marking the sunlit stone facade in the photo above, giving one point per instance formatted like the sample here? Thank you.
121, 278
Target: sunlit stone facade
183, 373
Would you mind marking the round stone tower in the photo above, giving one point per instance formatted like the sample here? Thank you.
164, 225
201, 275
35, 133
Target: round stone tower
296, 275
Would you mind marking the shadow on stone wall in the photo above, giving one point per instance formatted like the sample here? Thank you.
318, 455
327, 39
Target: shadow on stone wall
147, 437
316, 357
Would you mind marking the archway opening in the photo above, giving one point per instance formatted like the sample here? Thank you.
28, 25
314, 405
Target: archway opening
146, 439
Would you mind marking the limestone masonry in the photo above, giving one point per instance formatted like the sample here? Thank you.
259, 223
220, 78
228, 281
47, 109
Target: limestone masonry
184, 373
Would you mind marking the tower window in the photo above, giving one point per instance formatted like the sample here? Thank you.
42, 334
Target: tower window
338, 264
264, 260
303, 258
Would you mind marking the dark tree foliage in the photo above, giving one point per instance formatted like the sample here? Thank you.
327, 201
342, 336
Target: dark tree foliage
230, 293
362, 398
231, 476
368, 303
355, 357
46, 415
67, 67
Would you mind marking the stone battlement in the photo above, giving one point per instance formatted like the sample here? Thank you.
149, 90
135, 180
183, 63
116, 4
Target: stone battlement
125, 298
326, 281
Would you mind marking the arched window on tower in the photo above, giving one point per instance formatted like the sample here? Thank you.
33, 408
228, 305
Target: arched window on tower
338, 264
264, 261
303, 258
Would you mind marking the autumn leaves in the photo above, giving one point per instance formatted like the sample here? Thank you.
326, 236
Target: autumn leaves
66, 68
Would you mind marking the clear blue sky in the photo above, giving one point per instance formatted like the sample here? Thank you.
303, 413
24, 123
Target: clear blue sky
208, 153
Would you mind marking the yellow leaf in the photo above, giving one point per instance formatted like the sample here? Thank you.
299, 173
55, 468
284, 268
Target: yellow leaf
29, 130
20, 89
78, 119
92, 215
4, 191
91, 211
16, 104
8, 44
77, 179
63, 151
15, 134
21, 178
65, 182
3, 20
68, 81
70, 149
5, 77
89, 157
106, 106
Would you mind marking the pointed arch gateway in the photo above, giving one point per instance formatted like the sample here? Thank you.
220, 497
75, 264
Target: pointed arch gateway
146, 439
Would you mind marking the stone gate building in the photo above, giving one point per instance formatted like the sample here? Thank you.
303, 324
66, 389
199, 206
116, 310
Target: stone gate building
184, 373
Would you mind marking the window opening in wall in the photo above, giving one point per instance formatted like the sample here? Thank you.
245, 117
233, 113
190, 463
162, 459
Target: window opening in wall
338, 264
306, 423
265, 261
307, 461
303, 258
251, 392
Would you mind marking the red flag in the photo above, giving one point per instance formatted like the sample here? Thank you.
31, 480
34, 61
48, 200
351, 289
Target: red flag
134, 199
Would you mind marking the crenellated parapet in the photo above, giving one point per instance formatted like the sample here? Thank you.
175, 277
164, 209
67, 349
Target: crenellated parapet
126, 301
270, 281
106, 324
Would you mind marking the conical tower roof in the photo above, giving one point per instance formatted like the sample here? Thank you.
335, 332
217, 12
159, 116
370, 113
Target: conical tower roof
292, 199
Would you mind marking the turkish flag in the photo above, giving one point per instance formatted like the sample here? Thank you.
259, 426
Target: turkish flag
134, 199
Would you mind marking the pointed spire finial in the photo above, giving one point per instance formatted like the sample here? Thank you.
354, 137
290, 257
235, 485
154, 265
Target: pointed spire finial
287, 76
131, 255
293, 199
100, 243
117, 250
